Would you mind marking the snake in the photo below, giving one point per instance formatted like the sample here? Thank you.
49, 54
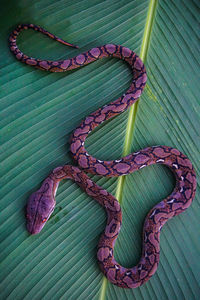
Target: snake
41, 203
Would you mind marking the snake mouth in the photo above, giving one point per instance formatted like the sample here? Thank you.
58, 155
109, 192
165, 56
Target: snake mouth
31, 226
31, 229
36, 226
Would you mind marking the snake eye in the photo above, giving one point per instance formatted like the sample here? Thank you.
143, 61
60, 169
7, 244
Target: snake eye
44, 220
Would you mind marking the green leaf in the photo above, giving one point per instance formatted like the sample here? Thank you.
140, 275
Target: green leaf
39, 111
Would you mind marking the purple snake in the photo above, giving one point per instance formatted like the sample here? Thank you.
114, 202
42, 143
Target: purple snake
42, 203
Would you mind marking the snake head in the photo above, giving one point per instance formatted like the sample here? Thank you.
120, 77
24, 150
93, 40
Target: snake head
40, 207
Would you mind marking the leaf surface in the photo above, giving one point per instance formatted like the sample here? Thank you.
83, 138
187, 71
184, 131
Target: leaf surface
39, 111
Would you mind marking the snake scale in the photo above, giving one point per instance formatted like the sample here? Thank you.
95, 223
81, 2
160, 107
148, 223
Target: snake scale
41, 203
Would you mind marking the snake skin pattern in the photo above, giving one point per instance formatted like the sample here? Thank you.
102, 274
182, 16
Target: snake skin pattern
41, 203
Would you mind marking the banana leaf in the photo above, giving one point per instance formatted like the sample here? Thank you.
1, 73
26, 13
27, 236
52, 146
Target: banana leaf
39, 111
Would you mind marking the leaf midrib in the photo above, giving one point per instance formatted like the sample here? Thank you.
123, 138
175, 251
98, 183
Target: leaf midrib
129, 135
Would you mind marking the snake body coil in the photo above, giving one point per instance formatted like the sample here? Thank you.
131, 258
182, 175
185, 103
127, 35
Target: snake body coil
41, 203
